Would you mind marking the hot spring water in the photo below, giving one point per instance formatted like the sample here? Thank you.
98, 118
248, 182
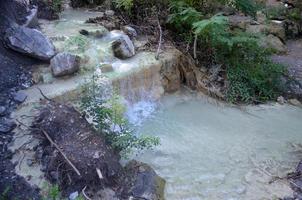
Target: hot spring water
213, 151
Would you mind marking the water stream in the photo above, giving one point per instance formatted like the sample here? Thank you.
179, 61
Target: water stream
214, 151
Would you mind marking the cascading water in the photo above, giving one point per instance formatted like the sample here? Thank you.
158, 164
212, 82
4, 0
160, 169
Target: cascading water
207, 151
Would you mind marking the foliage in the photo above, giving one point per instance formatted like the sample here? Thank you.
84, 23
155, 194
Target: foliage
76, 44
124, 4
57, 5
53, 193
183, 16
108, 118
249, 7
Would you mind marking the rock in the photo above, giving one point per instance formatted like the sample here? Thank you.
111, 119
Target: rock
30, 42
32, 18
95, 32
131, 32
238, 21
19, 96
294, 102
73, 196
141, 182
277, 28
7, 125
64, 64
2, 110
261, 17
109, 13
29, 162
122, 46
256, 29
273, 42
105, 68
107, 193
281, 100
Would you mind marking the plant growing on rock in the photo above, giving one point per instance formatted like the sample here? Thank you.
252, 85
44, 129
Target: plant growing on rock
107, 115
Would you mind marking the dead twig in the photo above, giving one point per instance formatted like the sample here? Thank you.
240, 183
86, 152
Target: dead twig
45, 97
62, 153
84, 194
160, 39
195, 47
100, 175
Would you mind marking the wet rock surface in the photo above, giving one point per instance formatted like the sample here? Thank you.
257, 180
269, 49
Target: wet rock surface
293, 62
122, 46
30, 42
141, 182
64, 64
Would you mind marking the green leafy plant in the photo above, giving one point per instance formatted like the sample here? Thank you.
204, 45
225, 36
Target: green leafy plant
124, 4
57, 5
76, 44
108, 117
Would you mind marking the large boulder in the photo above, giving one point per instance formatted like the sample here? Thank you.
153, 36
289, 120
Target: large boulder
273, 42
122, 45
30, 42
142, 182
64, 64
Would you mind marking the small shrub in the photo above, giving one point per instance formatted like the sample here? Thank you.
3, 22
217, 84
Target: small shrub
76, 44
124, 4
57, 5
107, 114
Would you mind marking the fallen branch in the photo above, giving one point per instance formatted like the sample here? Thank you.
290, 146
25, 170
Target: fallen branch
63, 154
84, 194
100, 175
195, 47
160, 39
43, 95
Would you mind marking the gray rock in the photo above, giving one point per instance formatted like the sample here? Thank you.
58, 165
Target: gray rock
261, 17
109, 13
32, 18
294, 102
19, 96
2, 110
142, 182
131, 32
273, 42
105, 68
64, 64
29, 162
122, 46
30, 42
281, 100
7, 125
73, 196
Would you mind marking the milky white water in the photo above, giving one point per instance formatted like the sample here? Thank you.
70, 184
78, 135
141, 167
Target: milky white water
213, 151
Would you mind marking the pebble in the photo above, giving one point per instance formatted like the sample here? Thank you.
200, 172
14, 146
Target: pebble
19, 96
73, 195
7, 125
281, 100
29, 162
109, 13
2, 110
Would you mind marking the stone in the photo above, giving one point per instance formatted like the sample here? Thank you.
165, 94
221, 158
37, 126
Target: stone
109, 13
97, 32
30, 42
64, 64
19, 97
277, 28
122, 46
7, 125
32, 18
261, 17
238, 21
105, 68
29, 162
281, 100
142, 182
273, 42
2, 110
131, 32
256, 29
294, 102
73, 196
